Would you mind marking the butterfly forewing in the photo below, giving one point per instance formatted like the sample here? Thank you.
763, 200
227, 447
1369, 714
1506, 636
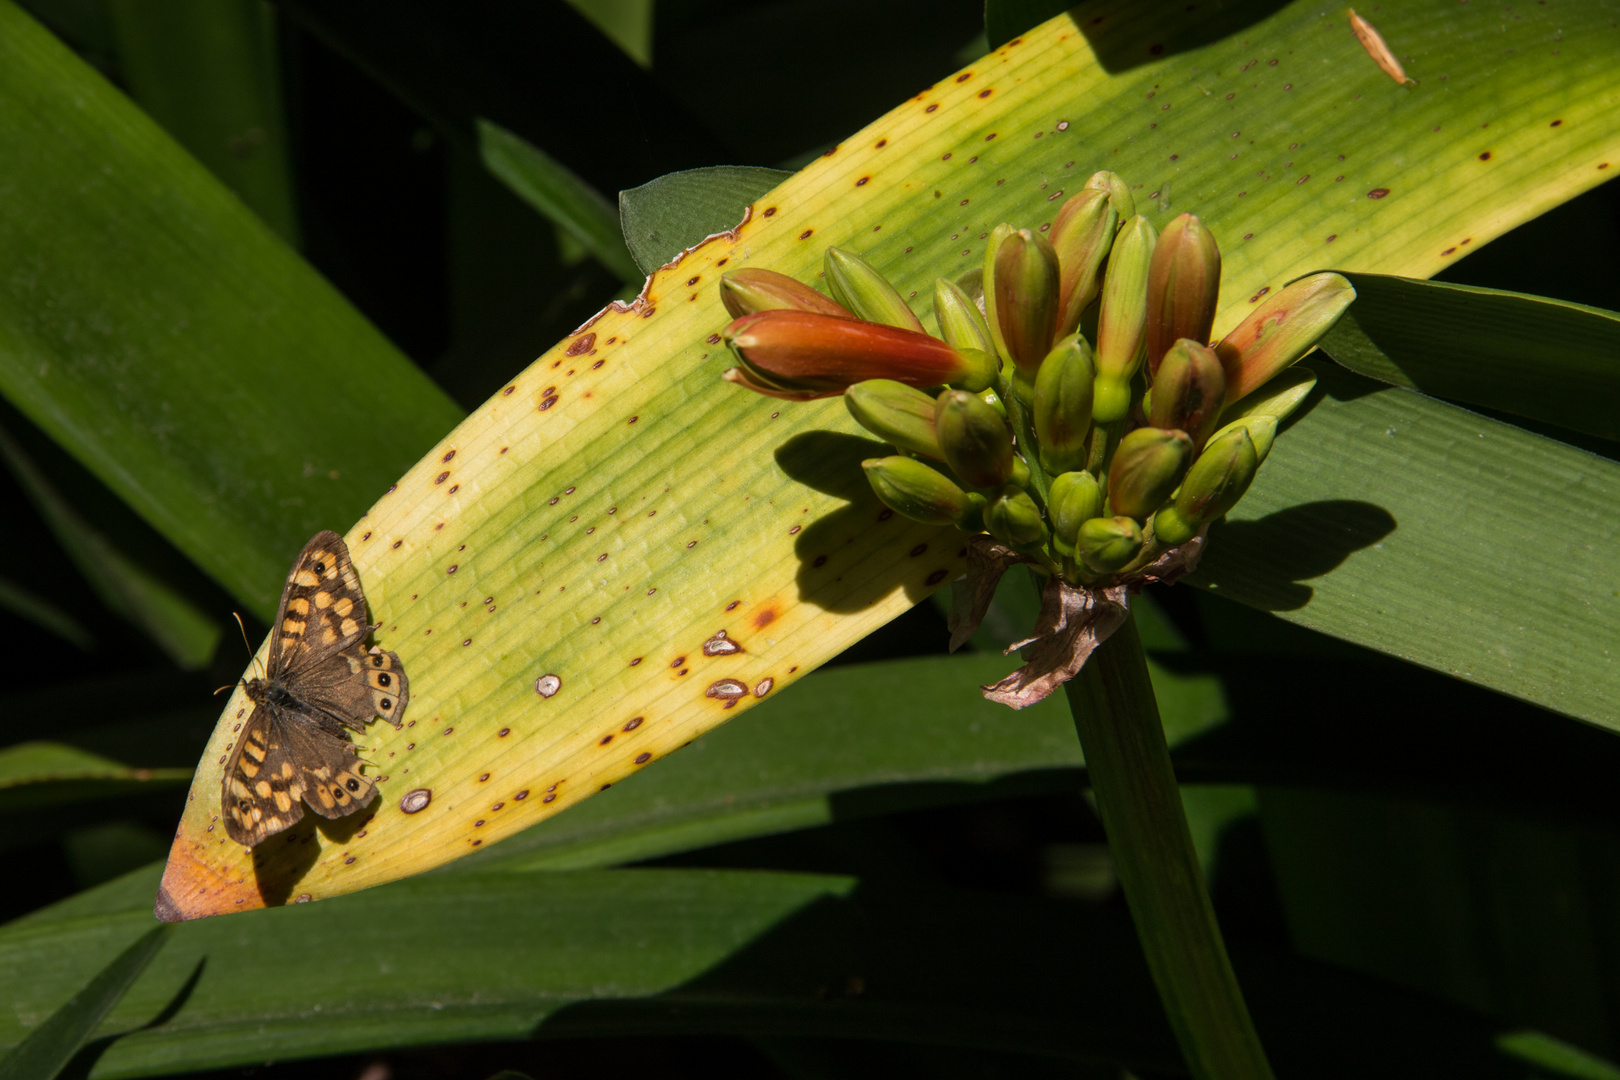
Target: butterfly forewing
319, 680
262, 785
322, 611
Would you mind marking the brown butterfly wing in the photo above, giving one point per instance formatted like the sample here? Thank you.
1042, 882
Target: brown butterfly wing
262, 786
328, 768
322, 624
297, 752
322, 613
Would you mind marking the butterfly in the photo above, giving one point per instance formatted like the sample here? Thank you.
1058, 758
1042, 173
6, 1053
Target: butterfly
319, 680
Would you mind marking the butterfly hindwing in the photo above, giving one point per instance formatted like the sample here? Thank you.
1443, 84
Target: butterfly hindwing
319, 680
390, 690
328, 770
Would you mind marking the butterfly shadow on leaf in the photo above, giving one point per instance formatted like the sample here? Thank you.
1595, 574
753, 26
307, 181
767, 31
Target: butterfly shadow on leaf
281, 861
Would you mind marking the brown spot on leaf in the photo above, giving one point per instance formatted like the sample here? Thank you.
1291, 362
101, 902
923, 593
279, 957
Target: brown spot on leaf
581, 345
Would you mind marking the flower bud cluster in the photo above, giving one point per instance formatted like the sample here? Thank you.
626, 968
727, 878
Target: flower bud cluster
1072, 405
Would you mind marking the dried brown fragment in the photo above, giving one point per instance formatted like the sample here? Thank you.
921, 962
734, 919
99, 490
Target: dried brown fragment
1072, 623
971, 594
1373, 42
1074, 620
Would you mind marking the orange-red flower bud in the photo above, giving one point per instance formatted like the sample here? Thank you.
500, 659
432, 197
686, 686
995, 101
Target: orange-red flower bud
800, 355
1183, 282
1280, 330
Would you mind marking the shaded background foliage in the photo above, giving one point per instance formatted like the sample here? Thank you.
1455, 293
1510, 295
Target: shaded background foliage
374, 175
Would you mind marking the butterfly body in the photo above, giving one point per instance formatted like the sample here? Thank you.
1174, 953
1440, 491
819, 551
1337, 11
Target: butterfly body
319, 681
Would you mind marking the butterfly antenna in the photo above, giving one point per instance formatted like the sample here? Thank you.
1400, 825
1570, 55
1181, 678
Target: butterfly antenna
252, 657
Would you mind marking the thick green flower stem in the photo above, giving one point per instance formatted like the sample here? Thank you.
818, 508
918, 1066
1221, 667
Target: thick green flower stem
1117, 718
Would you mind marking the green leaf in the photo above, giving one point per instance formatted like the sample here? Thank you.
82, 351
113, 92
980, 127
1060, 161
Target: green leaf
42, 613
853, 741
545, 184
138, 593
665, 216
475, 957
38, 775
207, 71
50, 1046
1556, 1056
166, 338
1527, 355
1419, 529
629, 23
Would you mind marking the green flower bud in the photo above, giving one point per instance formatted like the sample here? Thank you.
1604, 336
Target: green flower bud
1188, 391
1073, 499
1119, 193
897, 414
1146, 469
993, 399
857, 285
1122, 320
754, 289
912, 489
1214, 484
1015, 520
975, 438
980, 374
986, 290
1285, 392
1024, 280
1107, 544
960, 322
1061, 404
1184, 280
1262, 431
1082, 234
1283, 328
1020, 473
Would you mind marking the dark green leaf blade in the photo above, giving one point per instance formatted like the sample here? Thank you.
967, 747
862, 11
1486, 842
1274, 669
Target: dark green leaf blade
1527, 355
208, 72
462, 958
1404, 524
130, 588
163, 335
44, 774
551, 188
52, 1045
665, 216
44, 614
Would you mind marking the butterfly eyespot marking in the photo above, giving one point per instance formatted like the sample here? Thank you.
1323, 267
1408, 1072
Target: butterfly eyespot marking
385, 703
